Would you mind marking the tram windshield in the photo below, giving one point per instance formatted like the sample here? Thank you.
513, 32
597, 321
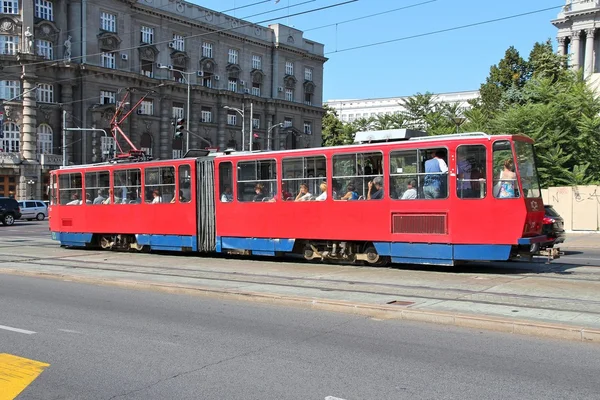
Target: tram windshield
527, 169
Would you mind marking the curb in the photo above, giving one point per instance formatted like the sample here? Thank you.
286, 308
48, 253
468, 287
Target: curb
520, 327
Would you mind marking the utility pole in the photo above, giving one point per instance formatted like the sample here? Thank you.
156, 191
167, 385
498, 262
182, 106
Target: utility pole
251, 125
64, 138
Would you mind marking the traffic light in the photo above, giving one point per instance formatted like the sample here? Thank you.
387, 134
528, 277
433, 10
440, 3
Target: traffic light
179, 127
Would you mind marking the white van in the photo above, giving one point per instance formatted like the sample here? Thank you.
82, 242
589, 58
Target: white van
33, 209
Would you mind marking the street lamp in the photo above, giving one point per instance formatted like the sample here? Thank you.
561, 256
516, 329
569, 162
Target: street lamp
243, 114
458, 121
269, 134
187, 113
30, 183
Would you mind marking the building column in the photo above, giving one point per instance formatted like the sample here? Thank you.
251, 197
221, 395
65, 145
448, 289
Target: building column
575, 48
164, 132
562, 46
195, 129
589, 52
28, 128
67, 100
221, 122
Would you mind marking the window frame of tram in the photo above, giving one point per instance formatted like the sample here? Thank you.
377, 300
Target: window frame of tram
68, 185
97, 186
502, 153
259, 180
471, 171
184, 179
129, 192
413, 172
528, 175
297, 171
226, 181
161, 179
53, 189
349, 169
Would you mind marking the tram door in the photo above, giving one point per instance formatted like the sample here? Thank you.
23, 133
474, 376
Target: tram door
205, 176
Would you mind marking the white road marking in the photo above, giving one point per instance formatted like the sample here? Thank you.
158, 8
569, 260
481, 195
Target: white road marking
332, 398
69, 331
10, 328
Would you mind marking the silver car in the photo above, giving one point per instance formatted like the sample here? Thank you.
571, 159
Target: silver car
33, 209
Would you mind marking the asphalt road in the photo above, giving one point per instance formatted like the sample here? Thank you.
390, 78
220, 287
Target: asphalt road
111, 343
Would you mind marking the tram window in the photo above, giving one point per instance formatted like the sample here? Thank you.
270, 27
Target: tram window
185, 194
70, 189
309, 171
419, 174
53, 190
97, 185
160, 184
127, 186
504, 176
471, 182
527, 170
256, 180
352, 174
226, 182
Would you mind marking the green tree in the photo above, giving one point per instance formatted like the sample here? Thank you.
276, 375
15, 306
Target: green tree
335, 132
416, 108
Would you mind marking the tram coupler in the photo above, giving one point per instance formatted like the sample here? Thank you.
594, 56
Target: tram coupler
551, 253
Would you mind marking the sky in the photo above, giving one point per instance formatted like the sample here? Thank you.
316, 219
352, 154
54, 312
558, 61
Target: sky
456, 60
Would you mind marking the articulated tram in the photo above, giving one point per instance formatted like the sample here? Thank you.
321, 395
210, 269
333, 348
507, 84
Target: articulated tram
421, 200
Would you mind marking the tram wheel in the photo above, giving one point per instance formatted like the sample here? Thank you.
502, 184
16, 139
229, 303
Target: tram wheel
374, 259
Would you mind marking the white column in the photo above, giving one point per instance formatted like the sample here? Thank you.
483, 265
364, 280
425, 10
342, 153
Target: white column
589, 52
562, 46
575, 45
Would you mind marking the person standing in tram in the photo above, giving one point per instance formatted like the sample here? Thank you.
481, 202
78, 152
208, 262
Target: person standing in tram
434, 169
508, 178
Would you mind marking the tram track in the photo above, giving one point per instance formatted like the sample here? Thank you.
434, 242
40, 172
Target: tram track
381, 288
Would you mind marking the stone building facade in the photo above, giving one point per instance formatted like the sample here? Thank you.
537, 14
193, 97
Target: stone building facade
577, 37
73, 59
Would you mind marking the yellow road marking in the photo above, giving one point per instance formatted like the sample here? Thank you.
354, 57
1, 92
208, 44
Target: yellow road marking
16, 373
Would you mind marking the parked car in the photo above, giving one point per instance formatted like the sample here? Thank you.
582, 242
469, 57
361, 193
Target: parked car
9, 210
33, 209
553, 227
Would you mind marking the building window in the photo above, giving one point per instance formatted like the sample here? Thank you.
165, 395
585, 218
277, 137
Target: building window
178, 110
107, 146
147, 68
256, 121
44, 133
9, 89
207, 50
231, 118
45, 93
206, 115
287, 122
256, 89
308, 99
178, 43
9, 44
308, 73
147, 107
233, 56
289, 68
10, 6
177, 153
147, 35
107, 97
108, 22
232, 84
178, 74
289, 94
256, 62
109, 60
10, 142
43, 10
207, 80
44, 49
308, 127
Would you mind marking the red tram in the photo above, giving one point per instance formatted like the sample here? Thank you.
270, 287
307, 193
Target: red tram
430, 200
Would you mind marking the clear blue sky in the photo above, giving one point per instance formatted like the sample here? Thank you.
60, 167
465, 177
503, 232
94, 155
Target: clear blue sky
451, 61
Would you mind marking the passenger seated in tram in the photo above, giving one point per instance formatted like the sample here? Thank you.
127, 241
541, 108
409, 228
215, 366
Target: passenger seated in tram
227, 196
88, 198
181, 198
259, 189
508, 178
323, 195
411, 192
99, 199
108, 199
375, 189
74, 200
303, 194
351, 193
156, 199
285, 194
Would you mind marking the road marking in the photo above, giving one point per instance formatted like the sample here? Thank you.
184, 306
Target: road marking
332, 398
10, 328
16, 373
69, 331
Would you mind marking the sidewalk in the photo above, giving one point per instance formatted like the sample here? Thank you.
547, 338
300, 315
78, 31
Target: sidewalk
581, 240
553, 300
